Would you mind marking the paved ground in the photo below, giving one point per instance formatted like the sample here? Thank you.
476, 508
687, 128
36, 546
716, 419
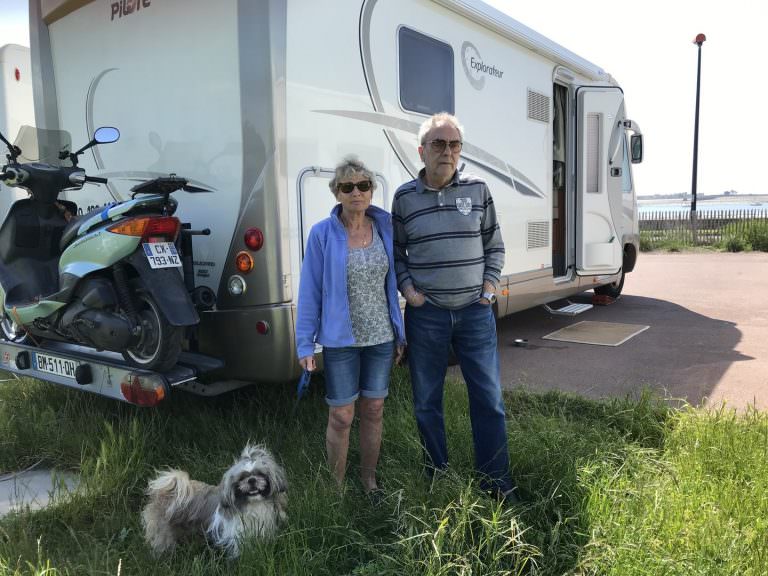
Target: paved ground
32, 488
707, 342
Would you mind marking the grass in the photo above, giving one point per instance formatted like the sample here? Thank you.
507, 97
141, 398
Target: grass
618, 487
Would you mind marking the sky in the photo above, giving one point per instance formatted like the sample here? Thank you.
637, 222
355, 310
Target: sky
648, 47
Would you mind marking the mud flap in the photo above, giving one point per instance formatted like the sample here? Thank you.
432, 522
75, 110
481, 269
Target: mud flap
167, 288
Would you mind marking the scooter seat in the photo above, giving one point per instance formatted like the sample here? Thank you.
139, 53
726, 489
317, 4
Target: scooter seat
70, 230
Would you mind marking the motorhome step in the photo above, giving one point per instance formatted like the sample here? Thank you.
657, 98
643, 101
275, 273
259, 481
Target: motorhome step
201, 363
569, 309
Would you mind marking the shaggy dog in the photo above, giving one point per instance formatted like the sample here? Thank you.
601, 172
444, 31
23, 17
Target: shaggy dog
249, 502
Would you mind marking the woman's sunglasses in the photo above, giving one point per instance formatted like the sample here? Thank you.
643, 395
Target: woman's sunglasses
347, 187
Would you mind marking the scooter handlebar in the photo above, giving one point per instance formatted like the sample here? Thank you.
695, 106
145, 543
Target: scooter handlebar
15, 175
96, 180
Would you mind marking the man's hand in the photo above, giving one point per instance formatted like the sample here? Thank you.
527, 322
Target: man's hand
399, 351
413, 297
487, 287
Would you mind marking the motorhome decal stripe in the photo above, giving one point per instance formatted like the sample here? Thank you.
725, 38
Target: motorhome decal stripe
524, 190
488, 162
90, 127
364, 34
482, 158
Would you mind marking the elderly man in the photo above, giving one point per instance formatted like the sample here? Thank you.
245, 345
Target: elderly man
448, 257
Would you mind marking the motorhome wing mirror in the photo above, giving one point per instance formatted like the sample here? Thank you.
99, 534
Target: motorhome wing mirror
106, 134
636, 146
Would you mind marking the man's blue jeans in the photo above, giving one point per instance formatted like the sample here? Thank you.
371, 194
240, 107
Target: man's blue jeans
430, 331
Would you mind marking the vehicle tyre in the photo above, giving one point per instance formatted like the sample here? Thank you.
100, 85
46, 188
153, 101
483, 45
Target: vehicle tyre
160, 343
12, 332
613, 289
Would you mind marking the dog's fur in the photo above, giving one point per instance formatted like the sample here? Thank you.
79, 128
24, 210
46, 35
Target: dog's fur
249, 502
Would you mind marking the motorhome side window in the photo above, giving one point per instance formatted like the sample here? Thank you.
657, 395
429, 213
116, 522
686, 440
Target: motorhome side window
426, 73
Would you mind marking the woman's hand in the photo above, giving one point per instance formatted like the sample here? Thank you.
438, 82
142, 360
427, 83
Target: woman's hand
308, 363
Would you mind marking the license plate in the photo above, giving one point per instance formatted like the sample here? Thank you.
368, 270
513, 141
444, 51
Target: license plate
55, 365
162, 254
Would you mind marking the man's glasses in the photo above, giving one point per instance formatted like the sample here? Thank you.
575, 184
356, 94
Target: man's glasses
348, 187
439, 145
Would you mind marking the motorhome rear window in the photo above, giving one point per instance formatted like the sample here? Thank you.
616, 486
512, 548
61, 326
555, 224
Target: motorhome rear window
426, 73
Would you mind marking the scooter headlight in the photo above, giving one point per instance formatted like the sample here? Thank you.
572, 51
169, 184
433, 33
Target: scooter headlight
236, 285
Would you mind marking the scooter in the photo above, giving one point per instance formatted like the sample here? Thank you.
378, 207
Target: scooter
108, 279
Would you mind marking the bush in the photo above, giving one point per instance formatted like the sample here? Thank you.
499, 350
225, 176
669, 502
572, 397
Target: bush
735, 243
757, 236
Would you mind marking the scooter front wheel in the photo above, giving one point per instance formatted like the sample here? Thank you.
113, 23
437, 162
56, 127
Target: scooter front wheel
159, 345
11, 331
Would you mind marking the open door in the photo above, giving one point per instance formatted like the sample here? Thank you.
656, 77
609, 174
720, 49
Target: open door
598, 244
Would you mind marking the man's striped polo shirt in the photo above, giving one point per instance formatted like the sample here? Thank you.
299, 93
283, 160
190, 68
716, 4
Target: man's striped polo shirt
447, 241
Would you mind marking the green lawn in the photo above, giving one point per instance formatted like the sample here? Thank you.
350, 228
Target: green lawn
622, 487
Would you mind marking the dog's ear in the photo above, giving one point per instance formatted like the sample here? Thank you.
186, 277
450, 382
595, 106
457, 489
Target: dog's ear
226, 494
278, 478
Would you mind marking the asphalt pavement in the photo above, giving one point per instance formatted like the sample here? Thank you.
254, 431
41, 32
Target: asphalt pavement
707, 342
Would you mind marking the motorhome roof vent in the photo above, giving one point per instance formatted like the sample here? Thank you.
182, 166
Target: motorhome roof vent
538, 234
538, 106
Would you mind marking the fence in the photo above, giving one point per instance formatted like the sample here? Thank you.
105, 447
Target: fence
712, 226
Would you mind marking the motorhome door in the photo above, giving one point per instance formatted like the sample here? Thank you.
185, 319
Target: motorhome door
598, 244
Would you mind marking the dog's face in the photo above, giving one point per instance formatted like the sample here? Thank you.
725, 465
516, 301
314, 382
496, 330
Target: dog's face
254, 477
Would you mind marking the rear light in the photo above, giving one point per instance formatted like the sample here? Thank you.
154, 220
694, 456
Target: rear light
162, 229
236, 285
130, 227
150, 228
143, 389
254, 239
244, 262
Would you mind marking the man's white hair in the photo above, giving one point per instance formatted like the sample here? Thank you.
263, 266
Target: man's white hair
437, 120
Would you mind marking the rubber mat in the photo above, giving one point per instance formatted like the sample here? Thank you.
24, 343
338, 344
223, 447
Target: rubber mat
599, 333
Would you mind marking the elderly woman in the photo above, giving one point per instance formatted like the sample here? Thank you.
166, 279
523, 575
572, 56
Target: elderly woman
348, 303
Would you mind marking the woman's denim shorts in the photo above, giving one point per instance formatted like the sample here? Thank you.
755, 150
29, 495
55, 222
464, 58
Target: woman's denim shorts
352, 371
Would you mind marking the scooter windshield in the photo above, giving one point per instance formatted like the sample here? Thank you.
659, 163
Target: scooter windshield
40, 145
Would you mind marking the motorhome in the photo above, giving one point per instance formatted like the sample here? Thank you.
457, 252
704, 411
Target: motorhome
16, 105
258, 101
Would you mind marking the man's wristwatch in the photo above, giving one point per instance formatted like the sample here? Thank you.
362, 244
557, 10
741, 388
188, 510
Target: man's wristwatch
490, 296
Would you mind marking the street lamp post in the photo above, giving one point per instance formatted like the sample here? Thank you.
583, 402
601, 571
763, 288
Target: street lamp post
699, 40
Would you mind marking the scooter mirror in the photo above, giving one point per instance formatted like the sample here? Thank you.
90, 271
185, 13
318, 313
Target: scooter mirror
106, 134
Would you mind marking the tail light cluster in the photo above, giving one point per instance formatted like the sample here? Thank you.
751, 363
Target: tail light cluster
149, 228
143, 389
254, 240
244, 262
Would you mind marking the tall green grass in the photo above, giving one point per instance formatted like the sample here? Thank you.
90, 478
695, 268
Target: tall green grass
619, 487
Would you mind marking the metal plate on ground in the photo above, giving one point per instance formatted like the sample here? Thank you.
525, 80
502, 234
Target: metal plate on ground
598, 333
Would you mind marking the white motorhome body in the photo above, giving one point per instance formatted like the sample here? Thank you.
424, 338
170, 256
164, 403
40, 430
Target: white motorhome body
260, 100
16, 106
